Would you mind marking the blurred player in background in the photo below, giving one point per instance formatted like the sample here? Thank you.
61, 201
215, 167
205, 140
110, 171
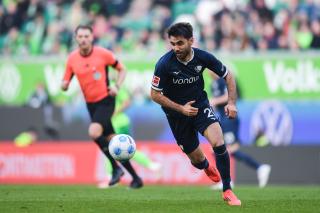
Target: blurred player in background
90, 64
230, 129
26, 138
121, 124
178, 86
39, 99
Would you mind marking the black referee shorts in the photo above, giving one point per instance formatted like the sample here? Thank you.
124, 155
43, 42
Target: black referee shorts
101, 112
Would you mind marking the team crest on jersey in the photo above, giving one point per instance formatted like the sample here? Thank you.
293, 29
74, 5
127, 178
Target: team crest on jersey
96, 75
155, 81
198, 68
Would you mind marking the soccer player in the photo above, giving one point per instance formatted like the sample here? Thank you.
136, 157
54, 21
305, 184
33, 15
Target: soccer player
90, 65
178, 86
230, 129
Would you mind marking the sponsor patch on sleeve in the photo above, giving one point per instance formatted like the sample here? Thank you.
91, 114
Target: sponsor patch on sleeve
155, 81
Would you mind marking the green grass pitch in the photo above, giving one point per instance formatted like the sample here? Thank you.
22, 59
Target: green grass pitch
43, 198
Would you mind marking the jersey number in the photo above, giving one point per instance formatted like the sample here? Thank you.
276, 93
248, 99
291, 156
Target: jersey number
209, 111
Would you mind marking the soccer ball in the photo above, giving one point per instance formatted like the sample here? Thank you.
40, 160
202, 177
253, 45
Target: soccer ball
122, 147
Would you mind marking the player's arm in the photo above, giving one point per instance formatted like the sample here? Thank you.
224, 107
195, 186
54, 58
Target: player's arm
215, 65
121, 71
221, 100
159, 81
121, 74
164, 101
68, 74
231, 109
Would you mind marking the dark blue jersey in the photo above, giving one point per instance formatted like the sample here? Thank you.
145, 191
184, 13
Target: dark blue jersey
183, 81
218, 89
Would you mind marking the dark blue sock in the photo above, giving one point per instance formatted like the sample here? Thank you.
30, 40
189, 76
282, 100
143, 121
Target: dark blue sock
223, 165
247, 159
202, 165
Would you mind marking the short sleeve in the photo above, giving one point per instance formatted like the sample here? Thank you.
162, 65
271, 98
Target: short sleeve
159, 76
68, 74
215, 65
111, 59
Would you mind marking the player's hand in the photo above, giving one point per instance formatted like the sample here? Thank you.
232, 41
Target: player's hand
189, 110
113, 90
212, 102
230, 110
64, 85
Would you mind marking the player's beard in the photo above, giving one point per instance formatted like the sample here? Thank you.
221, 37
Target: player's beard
182, 55
85, 48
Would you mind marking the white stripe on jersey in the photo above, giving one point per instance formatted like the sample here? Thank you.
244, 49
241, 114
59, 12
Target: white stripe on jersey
155, 88
225, 73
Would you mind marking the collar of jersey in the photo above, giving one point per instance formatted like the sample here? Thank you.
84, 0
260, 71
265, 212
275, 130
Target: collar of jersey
186, 62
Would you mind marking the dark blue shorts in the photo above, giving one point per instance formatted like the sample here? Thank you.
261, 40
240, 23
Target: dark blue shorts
230, 129
185, 129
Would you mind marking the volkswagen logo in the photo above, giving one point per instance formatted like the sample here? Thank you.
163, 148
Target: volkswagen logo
274, 119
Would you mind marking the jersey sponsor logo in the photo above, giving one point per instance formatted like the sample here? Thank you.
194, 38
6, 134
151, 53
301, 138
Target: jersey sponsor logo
155, 81
177, 73
97, 75
198, 68
185, 80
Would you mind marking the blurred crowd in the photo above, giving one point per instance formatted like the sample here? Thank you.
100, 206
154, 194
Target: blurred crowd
34, 27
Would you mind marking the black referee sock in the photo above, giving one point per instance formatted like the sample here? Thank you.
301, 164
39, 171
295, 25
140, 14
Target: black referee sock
103, 145
223, 165
130, 169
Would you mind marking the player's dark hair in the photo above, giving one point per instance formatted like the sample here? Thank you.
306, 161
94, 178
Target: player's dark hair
183, 29
85, 27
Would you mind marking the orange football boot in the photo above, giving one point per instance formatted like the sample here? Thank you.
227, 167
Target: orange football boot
231, 198
213, 173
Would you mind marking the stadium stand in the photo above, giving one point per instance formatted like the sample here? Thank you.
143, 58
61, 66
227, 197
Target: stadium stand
34, 27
